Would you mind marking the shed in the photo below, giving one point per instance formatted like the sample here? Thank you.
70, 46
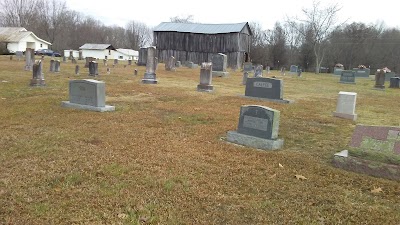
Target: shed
126, 54
98, 51
199, 42
18, 39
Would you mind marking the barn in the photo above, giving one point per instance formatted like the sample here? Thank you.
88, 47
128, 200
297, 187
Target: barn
198, 42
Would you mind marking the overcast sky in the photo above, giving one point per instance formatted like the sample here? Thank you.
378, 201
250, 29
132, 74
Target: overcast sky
119, 12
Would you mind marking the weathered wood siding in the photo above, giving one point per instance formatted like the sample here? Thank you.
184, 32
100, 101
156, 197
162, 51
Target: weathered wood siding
199, 48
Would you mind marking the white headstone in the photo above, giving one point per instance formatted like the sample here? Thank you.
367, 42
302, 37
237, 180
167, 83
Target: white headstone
346, 105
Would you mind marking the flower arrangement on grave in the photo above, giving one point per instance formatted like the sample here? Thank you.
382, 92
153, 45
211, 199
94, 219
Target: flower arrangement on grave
338, 65
361, 67
386, 70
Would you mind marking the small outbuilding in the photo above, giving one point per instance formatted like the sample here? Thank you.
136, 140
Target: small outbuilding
98, 51
199, 42
125, 54
18, 39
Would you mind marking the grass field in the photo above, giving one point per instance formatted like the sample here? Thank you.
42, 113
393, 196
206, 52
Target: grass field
161, 158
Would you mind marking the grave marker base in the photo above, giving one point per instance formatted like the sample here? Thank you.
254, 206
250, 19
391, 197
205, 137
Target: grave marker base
38, 82
205, 88
284, 101
346, 116
254, 142
149, 81
107, 108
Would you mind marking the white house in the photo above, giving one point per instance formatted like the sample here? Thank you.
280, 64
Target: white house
125, 54
98, 51
18, 39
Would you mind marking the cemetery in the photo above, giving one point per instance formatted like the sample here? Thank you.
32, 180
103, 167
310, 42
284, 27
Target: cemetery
83, 146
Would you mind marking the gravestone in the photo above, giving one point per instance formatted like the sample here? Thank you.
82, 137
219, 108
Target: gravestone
394, 82
362, 72
64, 59
380, 79
293, 69
151, 66
77, 70
268, 69
346, 105
19, 55
80, 55
205, 78
71, 54
73, 60
170, 65
129, 62
374, 150
57, 66
135, 72
245, 76
115, 61
178, 64
248, 67
88, 59
258, 71
192, 65
93, 68
87, 94
104, 62
108, 70
348, 77
283, 71
37, 74
29, 58
219, 64
52, 65
258, 128
269, 89
11, 57
337, 71
389, 75
142, 57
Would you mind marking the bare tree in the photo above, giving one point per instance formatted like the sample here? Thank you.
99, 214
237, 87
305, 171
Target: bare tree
138, 35
18, 13
182, 19
320, 22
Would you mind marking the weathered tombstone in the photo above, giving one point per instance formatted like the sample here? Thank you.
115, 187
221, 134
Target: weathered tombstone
80, 55
104, 62
219, 64
346, 106
73, 60
389, 75
170, 65
88, 59
269, 89
115, 61
248, 67
337, 70
245, 76
293, 69
29, 58
374, 150
394, 82
380, 79
37, 75
178, 64
142, 57
52, 65
283, 71
77, 70
150, 76
130, 62
348, 77
268, 69
19, 55
108, 70
64, 59
362, 72
192, 65
57, 65
87, 95
258, 128
135, 72
93, 68
71, 54
258, 71
205, 78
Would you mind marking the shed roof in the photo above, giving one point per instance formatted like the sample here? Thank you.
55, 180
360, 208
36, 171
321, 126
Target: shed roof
129, 52
199, 28
97, 46
16, 34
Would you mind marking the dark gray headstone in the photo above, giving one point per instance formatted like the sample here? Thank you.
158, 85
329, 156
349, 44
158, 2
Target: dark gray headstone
337, 71
80, 55
88, 59
129, 62
269, 88
293, 69
52, 65
395, 82
142, 57
348, 77
219, 62
93, 68
247, 67
37, 75
380, 79
71, 54
389, 75
259, 121
77, 70
57, 66
362, 72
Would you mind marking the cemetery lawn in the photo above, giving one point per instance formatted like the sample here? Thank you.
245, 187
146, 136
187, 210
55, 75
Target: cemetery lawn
161, 158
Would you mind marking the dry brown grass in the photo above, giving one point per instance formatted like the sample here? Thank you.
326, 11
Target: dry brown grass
159, 158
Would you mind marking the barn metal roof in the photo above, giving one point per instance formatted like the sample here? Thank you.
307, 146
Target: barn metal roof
16, 34
97, 46
199, 28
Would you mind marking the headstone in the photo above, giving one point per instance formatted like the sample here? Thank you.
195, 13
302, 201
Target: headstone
37, 75
108, 70
258, 128
115, 61
142, 57
104, 62
380, 79
247, 67
77, 70
52, 65
205, 78
87, 95
374, 151
73, 60
29, 58
80, 55
57, 65
338, 70
268, 69
219, 64
283, 71
11, 57
19, 55
293, 69
93, 68
389, 75
245, 76
192, 65
346, 105
348, 77
269, 89
394, 82
363, 72
88, 59
258, 71
64, 59
136, 72
71, 54
130, 62
178, 64
170, 65
151, 66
